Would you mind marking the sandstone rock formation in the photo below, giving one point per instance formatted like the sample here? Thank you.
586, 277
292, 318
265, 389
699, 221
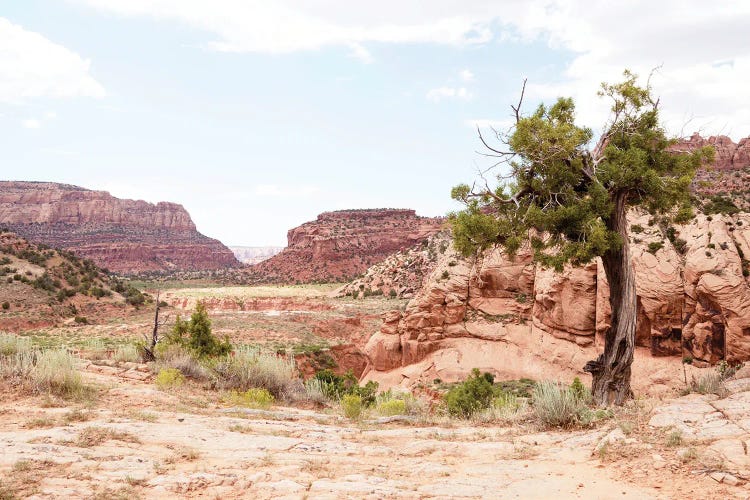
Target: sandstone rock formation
340, 245
730, 173
693, 301
125, 236
401, 274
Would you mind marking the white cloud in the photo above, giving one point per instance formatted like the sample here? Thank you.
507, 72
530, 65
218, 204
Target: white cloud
276, 191
31, 123
441, 93
361, 53
292, 25
702, 45
466, 75
33, 66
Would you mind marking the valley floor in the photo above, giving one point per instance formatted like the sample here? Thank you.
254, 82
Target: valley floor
134, 441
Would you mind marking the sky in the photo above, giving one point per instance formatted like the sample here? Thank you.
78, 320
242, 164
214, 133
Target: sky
258, 115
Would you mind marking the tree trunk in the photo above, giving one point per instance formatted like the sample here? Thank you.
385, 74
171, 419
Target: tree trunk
611, 371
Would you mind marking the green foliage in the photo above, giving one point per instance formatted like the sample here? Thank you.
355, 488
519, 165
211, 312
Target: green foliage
196, 335
556, 189
719, 204
470, 396
168, 378
337, 386
655, 246
252, 398
636, 228
6, 305
391, 407
352, 406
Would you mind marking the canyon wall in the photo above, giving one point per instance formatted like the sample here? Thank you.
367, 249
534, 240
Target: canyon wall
125, 236
500, 314
340, 245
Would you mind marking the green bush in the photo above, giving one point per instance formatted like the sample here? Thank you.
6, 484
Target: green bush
337, 386
168, 378
252, 398
655, 246
196, 334
6, 305
470, 396
352, 406
391, 407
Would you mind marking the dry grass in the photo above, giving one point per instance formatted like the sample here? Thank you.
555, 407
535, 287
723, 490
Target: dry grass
94, 436
252, 368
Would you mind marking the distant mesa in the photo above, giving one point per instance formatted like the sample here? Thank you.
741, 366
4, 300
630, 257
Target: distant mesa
254, 255
340, 245
124, 236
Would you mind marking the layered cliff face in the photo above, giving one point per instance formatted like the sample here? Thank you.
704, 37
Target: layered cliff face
730, 173
125, 236
693, 301
343, 244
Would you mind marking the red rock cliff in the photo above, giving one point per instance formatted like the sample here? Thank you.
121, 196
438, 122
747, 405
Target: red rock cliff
339, 245
125, 236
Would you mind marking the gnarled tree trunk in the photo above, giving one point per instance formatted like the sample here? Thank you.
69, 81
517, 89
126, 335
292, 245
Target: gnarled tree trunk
611, 371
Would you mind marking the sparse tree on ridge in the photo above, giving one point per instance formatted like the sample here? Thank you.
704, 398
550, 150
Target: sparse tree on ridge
570, 202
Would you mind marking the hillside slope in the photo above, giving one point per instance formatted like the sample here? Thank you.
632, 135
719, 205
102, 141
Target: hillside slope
125, 236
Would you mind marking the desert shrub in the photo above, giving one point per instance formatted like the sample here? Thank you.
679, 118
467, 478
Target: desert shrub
674, 438
96, 349
557, 405
636, 228
505, 407
351, 405
336, 386
313, 391
182, 359
252, 398
127, 353
393, 293
719, 204
6, 305
55, 372
252, 368
196, 334
446, 275
726, 370
133, 296
391, 407
168, 378
81, 320
13, 344
655, 246
471, 395
680, 245
708, 383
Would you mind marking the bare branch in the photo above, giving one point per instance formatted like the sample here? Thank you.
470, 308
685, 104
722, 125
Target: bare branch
517, 108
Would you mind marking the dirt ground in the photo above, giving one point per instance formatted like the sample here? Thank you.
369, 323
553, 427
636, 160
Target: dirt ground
130, 440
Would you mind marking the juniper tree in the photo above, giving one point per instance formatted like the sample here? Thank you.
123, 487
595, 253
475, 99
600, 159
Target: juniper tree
569, 202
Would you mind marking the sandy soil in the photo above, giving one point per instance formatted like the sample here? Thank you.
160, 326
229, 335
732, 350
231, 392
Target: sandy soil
134, 441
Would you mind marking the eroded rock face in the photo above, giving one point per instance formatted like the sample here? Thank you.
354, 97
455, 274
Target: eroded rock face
344, 244
693, 300
126, 236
